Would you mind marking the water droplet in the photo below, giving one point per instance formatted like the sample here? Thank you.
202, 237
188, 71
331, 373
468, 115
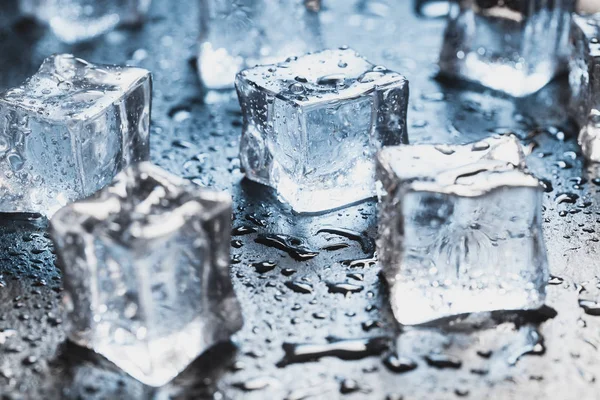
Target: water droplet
398, 364
442, 361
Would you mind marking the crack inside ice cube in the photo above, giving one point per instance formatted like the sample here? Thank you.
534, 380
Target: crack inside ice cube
516, 47
68, 130
460, 230
584, 79
145, 266
312, 125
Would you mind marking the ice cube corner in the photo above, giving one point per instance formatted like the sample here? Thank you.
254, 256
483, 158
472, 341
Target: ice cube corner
460, 230
67, 130
145, 266
313, 123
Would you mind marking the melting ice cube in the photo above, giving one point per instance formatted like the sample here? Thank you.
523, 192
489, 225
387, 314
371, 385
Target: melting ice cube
239, 34
512, 46
68, 130
312, 125
145, 266
77, 20
460, 230
584, 78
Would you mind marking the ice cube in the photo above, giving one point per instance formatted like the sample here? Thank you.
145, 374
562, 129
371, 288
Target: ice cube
584, 78
512, 46
312, 125
145, 266
238, 34
432, 8
68, 130
460, 230
76, 20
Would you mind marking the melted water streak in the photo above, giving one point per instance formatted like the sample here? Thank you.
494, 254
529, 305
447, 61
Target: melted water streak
366, 242
296, 247
349, 349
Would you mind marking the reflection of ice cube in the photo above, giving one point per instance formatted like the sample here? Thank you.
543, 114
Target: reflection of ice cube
515, 47
145, 264
313, 124
75, 20
68, 130
584, 78
238, 34
460, 230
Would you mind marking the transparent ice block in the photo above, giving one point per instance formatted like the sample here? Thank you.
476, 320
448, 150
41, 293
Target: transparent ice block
584, 78
512, 46
145, 266
67, 130
312, 125
76, 20
243, 33
460, 230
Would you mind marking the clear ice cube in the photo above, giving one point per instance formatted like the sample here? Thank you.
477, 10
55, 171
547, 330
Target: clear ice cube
239, 34
584, 78
313, 124
145, 266
512, 46
77, 20
67, 130
460, 230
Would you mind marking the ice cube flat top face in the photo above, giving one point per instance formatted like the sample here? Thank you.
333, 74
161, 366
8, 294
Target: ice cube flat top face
70, 89
145, 202
321, 77
465, 170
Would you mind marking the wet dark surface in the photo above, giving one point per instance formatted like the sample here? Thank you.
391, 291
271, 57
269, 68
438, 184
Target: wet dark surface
317, 326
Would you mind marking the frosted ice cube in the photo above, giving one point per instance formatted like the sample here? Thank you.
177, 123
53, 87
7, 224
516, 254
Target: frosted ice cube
584, 78
77, 20
68, 130
238, 34
512, 46
460, 230
312, 126
145, 265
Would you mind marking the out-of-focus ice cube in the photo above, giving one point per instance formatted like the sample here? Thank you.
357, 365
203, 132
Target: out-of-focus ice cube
584, 78
68, 130
145, 266
512, 46
432, 8
77, 20
460, 230
239, 34
312, 126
